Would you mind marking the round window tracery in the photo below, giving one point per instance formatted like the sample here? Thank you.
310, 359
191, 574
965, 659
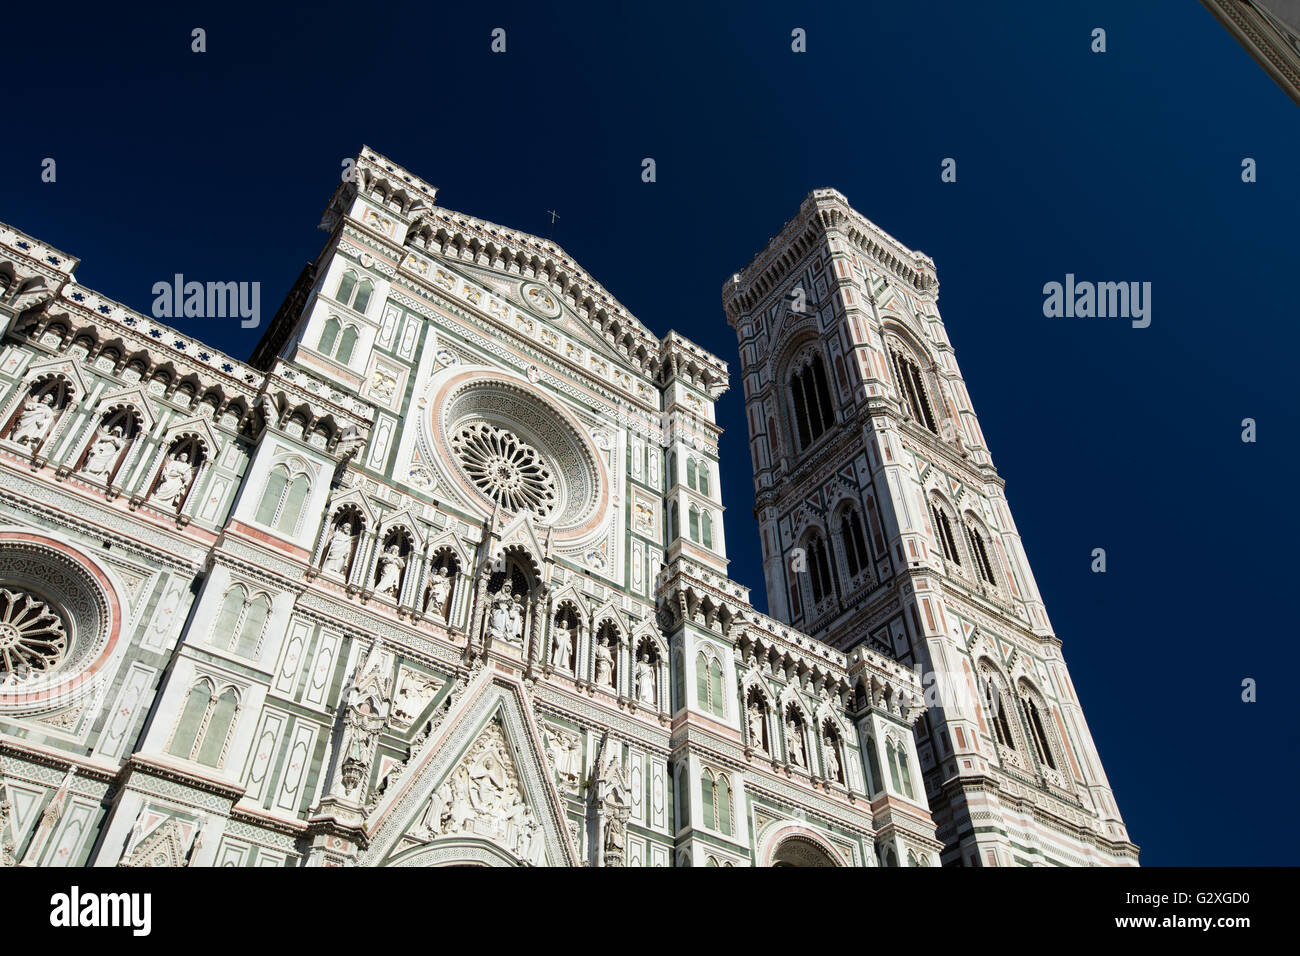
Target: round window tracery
59, 622
503, 444
32, 637
506, 468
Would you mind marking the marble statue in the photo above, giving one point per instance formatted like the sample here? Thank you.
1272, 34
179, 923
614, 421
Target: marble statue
832, 759
756, 726
391, 563
645, 679
175, 480
439, 590
794, 743
340, 549
562, 638
103, 454
515, 621
499, 619
604, 664
35, 420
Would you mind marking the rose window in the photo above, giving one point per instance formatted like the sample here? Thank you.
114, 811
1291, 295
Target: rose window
32, 638
505, 468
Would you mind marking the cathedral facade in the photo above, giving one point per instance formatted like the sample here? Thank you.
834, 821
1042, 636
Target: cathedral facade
438, 576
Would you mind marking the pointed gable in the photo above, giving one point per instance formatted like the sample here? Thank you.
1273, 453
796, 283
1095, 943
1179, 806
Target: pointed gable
480, 791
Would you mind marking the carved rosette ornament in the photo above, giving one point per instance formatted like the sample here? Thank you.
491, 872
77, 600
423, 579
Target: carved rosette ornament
32, 639
506, 468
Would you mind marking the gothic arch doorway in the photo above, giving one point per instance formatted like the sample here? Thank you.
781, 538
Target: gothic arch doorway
800, 852
456, 853
795, 845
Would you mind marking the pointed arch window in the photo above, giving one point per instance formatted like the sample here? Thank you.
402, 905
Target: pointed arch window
702, 476
203, 730
855, 542
241, 622
694, 516
911, 387
679, 677
980, 554
337, 341
365, 288
347, 286
995, 702
347, 342
283, 499
1037, 732
877, 782
715, 801
706, 530
690, 473
819, 568
329, 335
709, 686
904, 772
810, 400
892, 755
1001, 728
943, 531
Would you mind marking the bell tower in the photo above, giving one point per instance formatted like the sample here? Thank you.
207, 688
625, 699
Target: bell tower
884, 523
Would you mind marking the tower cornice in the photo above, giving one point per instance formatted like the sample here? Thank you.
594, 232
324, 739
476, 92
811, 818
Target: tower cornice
822, 213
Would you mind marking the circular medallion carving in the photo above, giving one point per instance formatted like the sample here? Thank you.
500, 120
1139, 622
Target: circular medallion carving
541, 299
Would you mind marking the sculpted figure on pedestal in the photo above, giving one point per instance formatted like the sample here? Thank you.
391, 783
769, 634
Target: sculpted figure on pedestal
103, 454
391, 563
645, 679
339, 550
35, 420
604, 664
439, 590
175, 481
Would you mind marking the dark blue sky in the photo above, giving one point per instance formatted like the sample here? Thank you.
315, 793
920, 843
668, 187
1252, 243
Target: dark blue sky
1123, 166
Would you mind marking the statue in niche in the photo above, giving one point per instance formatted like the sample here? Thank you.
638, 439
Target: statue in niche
617, 812
35, 420
645, 679
794, 742
460, 810
339, 549
391, 563
515, 622
362, 721
175, 481
439, 591
499, 620
604, 663
832, 759
103, 454
756, 725
562, 638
